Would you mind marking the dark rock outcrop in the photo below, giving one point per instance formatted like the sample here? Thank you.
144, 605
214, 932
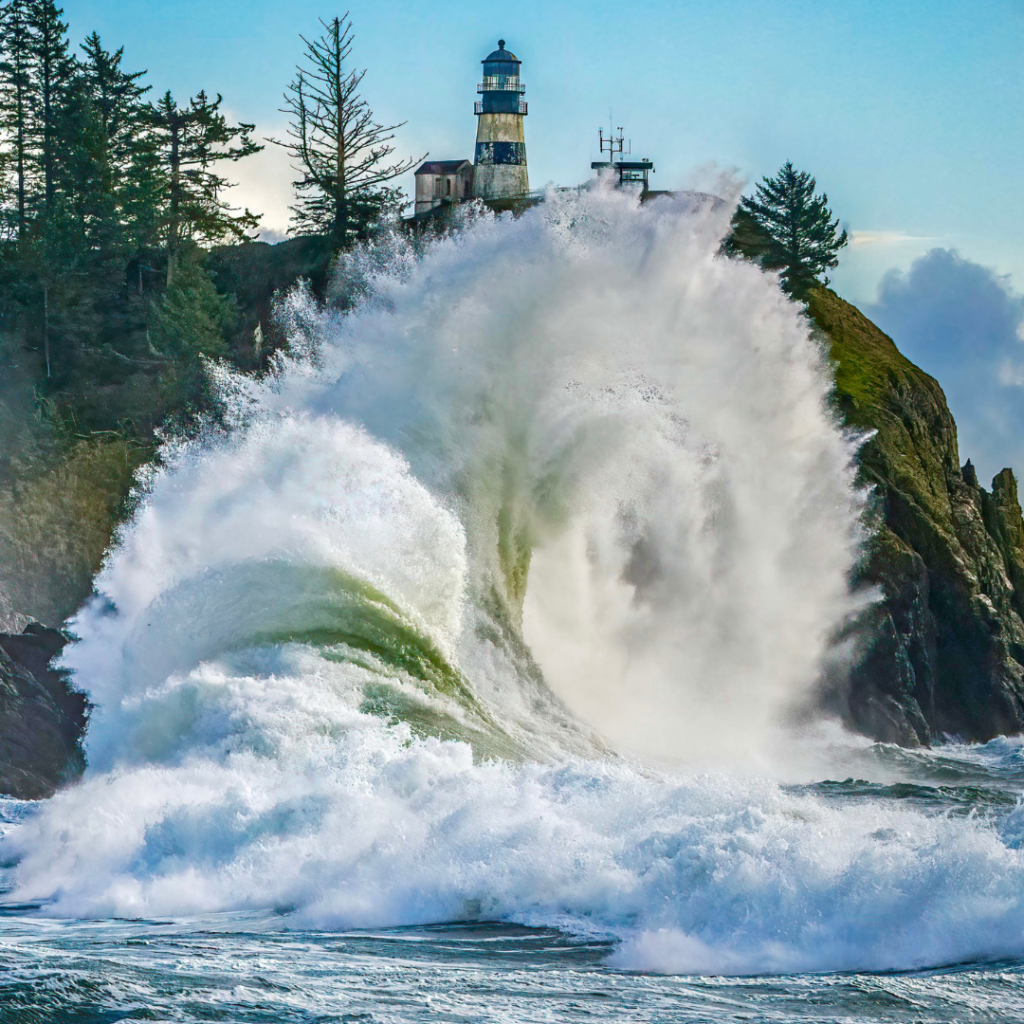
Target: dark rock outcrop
943, 652
41, 718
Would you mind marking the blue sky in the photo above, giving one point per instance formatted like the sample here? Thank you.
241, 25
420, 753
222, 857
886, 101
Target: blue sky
964, 324
909, 113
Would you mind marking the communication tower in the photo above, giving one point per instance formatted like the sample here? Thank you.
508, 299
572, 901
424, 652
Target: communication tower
631, 173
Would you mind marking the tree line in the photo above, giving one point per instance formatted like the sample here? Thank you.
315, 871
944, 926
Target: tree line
112, 196
121, 272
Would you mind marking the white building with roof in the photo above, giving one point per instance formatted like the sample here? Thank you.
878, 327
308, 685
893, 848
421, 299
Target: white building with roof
442, 181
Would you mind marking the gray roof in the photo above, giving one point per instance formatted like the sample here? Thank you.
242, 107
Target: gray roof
441, 166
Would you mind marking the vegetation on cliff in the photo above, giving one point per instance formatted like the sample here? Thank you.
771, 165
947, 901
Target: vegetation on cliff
124, 269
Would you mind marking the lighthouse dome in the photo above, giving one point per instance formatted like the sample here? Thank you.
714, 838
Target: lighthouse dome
501, 55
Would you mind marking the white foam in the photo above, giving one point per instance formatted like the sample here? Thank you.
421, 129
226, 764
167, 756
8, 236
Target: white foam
359, 828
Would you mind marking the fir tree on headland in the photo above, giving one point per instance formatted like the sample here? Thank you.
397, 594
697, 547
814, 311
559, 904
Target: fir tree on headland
54, 72
116, 143
193, 140
785, 226
15, 109
340, 150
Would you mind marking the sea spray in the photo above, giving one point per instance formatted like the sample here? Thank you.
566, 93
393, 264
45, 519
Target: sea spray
634, 425
580, 448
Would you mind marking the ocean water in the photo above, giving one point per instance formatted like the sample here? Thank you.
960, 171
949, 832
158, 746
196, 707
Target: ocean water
927, 906
467, 671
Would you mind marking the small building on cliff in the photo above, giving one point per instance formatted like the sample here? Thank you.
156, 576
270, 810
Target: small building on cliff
439, 182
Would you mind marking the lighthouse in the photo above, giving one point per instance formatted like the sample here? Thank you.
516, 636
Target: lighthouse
499, 170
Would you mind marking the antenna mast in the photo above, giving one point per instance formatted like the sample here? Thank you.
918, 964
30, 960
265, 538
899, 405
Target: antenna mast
612, 144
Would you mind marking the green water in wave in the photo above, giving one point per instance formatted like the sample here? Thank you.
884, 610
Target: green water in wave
354, 622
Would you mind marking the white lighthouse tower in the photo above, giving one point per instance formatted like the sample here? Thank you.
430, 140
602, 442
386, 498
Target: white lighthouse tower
500, 162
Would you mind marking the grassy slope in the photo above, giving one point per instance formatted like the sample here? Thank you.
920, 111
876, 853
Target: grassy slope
914, 446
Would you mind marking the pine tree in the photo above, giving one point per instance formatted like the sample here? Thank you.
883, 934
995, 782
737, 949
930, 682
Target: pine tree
117, 139
55, 252
105, 137
340, 150
143, 199
15, 100
192, 316
786, 227
194, 140
52, 77
189, 327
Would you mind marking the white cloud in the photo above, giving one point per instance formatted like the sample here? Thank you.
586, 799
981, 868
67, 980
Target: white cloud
888, 238
1011, 374
264, 183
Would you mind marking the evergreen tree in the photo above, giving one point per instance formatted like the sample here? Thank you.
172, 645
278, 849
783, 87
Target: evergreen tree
52, 71
143, 199
189, 327
786, 227
192, 316
340, 150
118, 141
55, 252
15, 101
52, 245
194, 140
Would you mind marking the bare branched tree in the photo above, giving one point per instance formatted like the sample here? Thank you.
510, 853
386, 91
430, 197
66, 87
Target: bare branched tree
339, 148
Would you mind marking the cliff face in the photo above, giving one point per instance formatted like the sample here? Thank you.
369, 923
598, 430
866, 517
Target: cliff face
41, 718
943, 652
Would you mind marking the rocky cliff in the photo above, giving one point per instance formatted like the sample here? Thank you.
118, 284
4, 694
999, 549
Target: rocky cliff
41, 718
943, 651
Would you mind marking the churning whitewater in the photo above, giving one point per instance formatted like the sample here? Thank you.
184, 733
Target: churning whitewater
560, 498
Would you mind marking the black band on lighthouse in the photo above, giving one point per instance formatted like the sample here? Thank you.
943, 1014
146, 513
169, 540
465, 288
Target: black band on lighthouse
501, 153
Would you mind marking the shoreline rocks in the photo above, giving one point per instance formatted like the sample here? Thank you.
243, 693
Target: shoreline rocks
42, 719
